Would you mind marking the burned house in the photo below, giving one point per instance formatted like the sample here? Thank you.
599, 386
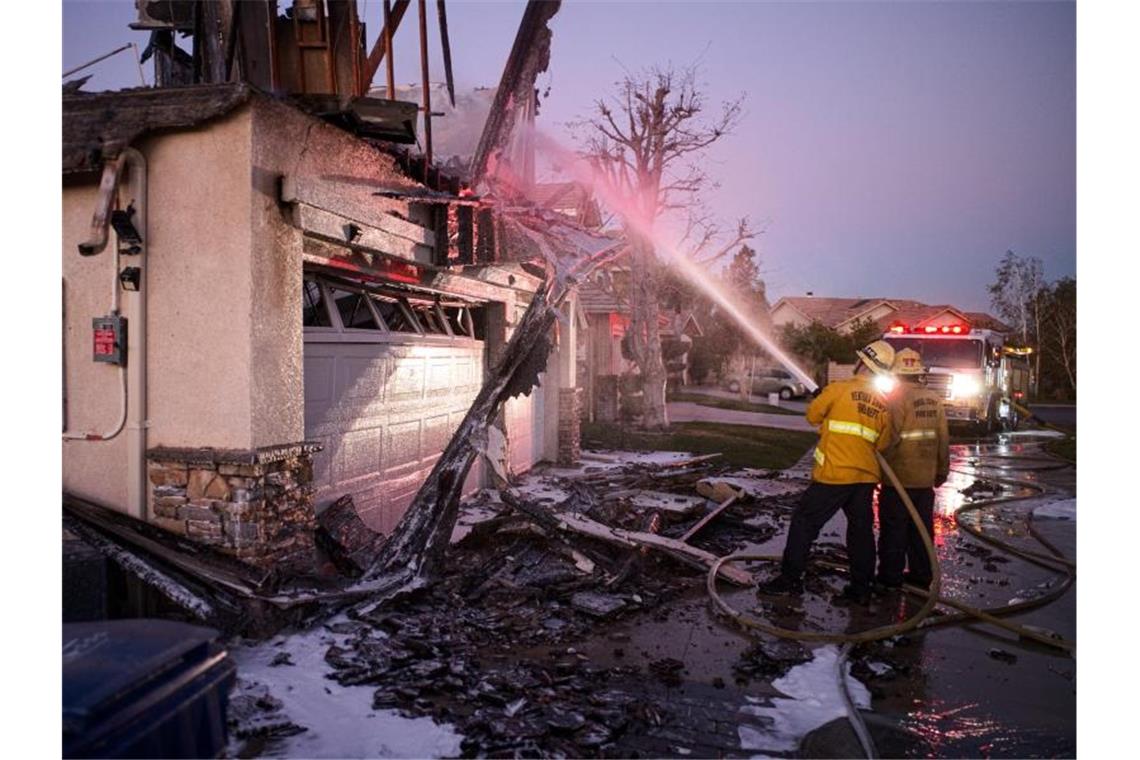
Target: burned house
269, 303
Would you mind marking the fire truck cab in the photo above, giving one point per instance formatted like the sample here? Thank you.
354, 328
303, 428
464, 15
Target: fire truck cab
973, 370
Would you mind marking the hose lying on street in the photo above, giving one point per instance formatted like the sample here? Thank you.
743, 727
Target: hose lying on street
1055, 561
871, 634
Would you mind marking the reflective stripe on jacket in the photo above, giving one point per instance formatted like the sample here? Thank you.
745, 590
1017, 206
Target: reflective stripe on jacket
853, 422
922, 457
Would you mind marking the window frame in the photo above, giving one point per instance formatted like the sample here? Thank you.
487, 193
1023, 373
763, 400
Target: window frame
336, 332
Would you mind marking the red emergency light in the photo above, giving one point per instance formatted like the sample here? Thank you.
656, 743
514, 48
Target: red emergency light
899, 328
942, 329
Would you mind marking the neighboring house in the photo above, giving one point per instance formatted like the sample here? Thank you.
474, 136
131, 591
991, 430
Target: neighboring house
845, 314
310, 328
603, 301
571, 199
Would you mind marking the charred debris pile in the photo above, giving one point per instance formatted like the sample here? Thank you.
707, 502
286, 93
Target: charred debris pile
488, 647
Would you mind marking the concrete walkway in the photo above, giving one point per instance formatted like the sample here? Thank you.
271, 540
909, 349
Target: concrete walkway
685, 411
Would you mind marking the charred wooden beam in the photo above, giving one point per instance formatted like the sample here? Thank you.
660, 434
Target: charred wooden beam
571, 522
530, 55
442, 246
414, 552
465, 217
383, 44
700, 524
422, 4
194, 600
485, 248
445, 41
216, 27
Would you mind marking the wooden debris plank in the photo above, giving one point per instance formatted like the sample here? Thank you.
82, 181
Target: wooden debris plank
576, 523
718, 490
709, 517
106, 522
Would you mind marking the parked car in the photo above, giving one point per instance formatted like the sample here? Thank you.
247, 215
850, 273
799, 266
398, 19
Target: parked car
774, 380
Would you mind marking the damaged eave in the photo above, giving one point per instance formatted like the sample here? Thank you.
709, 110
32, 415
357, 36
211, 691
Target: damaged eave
334, 228
374, 269
96, 126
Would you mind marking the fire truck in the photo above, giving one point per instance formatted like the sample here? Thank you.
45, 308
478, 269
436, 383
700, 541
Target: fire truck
979, 377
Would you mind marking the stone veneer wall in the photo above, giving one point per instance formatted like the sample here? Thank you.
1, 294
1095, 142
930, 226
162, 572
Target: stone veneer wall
569, 425
256, 505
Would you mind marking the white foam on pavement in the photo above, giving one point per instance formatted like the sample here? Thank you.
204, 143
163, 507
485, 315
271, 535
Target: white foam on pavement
813, 699
340, 719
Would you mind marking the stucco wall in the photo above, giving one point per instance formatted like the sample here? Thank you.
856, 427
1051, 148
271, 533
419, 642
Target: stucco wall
198, 348
94, 469
199, 279
344, 172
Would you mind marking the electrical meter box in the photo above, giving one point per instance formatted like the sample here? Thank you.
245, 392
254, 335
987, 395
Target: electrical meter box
110, 339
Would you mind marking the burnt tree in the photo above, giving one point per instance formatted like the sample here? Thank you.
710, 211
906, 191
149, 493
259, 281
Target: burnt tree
645, 143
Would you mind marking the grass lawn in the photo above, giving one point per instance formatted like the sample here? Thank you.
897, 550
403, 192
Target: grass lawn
729, 403
742, 445
1065, 448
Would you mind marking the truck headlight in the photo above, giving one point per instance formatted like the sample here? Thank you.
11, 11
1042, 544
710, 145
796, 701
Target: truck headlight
884, 384
964, 386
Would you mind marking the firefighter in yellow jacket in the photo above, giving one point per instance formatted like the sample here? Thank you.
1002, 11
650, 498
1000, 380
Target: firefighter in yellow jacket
921, 461
854, 423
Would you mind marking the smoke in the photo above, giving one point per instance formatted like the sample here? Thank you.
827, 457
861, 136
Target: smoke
455, 135
633, 213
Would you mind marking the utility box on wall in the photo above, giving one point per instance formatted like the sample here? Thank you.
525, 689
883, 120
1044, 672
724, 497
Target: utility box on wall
109, 336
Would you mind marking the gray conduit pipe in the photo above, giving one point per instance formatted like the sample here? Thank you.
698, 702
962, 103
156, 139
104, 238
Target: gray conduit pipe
136, 343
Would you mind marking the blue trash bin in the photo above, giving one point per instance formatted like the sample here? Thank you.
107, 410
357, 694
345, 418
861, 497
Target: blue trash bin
144, 688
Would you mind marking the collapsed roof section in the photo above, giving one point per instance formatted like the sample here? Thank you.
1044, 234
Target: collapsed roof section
97, 126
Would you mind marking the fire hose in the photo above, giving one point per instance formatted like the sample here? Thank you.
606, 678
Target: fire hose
1055, 561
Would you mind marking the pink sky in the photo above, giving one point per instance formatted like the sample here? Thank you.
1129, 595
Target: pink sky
893, 149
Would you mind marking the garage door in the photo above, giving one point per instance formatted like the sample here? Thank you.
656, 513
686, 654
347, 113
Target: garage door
386, 385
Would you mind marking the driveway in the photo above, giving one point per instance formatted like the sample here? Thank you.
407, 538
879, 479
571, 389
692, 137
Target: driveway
1062, 415
796, 405
686, 411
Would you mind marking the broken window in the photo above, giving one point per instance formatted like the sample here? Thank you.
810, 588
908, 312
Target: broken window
314, 311
362, 309
457, 320
355, 311
429, 317
398, 315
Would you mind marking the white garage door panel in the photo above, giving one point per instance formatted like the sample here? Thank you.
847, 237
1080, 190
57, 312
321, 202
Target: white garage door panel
523, 415
384, 412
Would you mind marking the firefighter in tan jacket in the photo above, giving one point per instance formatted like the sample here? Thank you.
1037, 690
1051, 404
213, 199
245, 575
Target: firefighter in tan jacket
921, 461
854, 423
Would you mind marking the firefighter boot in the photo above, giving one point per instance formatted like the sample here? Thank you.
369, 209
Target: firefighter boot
781, 585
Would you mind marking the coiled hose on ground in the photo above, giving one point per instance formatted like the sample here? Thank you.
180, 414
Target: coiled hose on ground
1055, 561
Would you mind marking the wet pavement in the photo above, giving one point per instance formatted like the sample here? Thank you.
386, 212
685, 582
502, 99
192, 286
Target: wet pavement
976, 691
526, 649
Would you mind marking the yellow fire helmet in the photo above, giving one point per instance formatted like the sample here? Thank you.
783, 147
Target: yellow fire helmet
878, 356
908, 362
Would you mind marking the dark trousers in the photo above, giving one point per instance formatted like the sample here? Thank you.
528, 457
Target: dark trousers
899, 542
819, 504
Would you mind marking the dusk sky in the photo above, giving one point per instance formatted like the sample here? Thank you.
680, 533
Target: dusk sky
888, 149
